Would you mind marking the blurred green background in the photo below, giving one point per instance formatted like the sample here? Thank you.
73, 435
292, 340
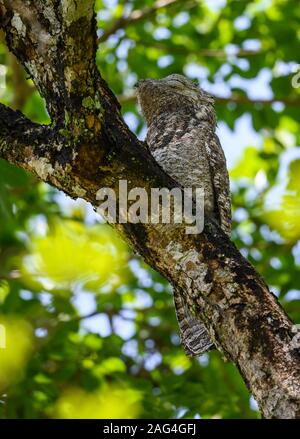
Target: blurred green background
90, 329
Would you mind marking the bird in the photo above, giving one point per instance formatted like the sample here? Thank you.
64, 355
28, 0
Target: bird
181, 136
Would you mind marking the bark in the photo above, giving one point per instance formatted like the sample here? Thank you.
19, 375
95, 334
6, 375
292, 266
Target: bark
88, 146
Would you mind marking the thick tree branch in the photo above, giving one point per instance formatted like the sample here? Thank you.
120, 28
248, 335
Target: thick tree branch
244, 319
36, 148
17, 132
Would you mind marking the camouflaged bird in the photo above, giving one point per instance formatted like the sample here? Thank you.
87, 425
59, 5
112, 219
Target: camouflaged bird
181, 136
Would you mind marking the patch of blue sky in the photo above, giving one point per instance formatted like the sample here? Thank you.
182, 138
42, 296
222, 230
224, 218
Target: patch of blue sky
123, 328
123, 48
141, 273
292, 295
242, 22
151, 361
161, 33
98, 324
296, 252
131, 120
165, 61
215, 5
251, 44
84, 302
181, 19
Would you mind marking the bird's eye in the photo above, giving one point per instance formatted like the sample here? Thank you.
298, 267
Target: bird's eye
175, 83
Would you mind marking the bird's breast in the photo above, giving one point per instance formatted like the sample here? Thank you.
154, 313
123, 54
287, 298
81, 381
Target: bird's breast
179, 146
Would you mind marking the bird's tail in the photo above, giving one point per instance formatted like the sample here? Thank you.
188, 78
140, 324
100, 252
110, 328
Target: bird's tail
194, 336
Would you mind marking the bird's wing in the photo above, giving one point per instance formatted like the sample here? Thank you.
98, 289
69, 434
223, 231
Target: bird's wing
193, 334
220, 180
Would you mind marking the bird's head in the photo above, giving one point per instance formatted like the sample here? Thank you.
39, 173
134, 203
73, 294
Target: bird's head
170, 94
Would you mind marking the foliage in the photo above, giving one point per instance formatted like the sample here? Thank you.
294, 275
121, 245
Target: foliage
90, 329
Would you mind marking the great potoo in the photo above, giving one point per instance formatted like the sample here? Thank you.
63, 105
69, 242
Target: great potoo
181, 136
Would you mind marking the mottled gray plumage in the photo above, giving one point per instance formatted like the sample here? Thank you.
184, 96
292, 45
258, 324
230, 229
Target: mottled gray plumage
181, 136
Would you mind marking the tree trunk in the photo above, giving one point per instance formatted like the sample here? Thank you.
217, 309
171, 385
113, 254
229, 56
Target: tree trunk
88, 146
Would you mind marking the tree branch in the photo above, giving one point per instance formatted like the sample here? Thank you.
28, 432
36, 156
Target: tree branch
292, 101
139, 15
211, 53
17, 132
243, 318
36, 148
